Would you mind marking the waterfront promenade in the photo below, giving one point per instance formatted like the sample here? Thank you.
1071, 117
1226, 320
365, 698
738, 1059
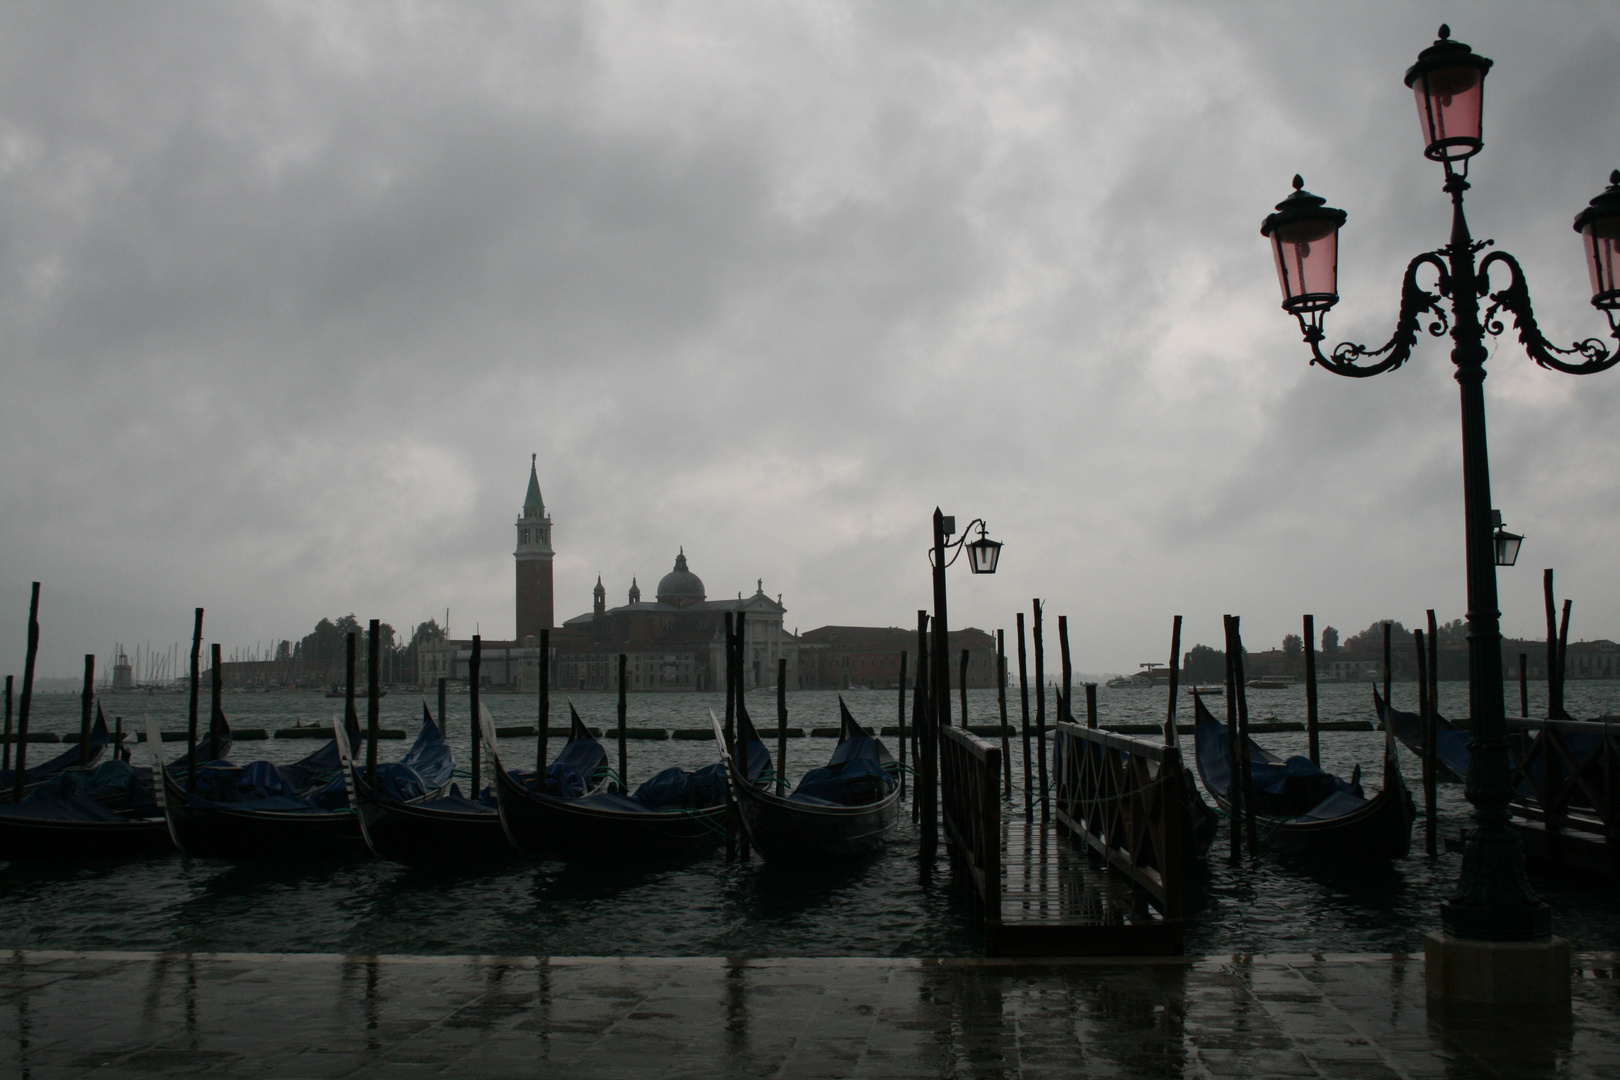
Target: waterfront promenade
302, 1015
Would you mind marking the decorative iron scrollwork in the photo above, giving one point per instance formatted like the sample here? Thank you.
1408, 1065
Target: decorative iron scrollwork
1516, 299
1346, 357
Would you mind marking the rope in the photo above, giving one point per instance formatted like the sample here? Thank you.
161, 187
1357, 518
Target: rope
703, 820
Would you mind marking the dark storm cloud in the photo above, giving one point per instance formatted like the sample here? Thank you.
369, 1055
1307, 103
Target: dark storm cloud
290, 292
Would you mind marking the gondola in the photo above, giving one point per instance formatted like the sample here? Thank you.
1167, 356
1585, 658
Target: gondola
408, 817
578, 812
1302, 810
848, 808
109, 811
100, 738
264, 811
1450, 741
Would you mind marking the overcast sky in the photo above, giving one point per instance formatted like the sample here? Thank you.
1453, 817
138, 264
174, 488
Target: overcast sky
290, 292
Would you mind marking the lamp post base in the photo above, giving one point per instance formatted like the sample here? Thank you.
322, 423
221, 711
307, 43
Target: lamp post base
1497, 972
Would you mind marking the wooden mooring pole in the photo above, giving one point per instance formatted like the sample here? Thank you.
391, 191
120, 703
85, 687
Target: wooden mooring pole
374, 700
781, 723
919, 711
216, 696
1554, 696
1067, 712
1524, 684
7, 750
443, 691
351, 718
742, 687
1091, 704
902, 711
1563, 660
729, 727
191, 714
961, 685
1001, 710
1240, 682
542, 749
1040, 711
87, 701
1237, 751
475, 675
624, 744
28, 693
1171, 736
1023, 701
1430, 840
1313, 731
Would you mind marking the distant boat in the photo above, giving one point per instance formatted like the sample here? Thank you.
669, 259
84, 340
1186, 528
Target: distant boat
340, 692
1129, 682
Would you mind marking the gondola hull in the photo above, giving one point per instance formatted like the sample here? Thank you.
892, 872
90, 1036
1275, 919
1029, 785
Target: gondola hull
783, 830
265, 835
1450, 741
1379, 829
428, 836
569, 829
31, 840
1379, 832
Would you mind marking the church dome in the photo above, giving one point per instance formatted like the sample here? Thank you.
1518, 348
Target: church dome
680, 586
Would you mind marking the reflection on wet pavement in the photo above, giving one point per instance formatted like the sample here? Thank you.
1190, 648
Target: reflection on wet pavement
335, 1016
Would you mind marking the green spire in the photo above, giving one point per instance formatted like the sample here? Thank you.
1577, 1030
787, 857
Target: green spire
533, 497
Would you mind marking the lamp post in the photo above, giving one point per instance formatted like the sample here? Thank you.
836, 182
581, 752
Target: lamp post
1493, 901
983, 556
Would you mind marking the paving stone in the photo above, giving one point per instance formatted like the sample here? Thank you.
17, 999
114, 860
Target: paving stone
247, 1017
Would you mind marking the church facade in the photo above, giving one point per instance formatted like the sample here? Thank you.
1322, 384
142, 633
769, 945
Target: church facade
676, 641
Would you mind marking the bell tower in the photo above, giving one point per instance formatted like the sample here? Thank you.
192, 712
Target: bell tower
533, 556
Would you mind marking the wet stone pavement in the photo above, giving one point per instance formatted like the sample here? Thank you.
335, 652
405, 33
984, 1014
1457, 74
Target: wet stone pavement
245, 1016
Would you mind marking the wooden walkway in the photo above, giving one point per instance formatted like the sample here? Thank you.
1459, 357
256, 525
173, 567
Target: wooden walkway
1086, 882
1059, 900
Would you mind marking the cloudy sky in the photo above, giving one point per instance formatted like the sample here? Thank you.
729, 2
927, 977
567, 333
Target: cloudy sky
289, 293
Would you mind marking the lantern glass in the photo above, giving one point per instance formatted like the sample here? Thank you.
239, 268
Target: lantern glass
1507, 547
1307, 257
1601, 235
983, 555
1450, 101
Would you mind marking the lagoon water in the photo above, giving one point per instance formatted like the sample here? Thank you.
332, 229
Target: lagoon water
708, 907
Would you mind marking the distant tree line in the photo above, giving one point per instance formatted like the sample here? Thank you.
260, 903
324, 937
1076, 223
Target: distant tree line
326, 645
1207, 665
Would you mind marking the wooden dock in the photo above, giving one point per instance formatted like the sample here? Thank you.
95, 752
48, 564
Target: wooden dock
1058, 900
1050, 887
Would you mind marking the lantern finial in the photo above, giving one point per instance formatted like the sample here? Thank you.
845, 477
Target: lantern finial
1299, 181
1445, 32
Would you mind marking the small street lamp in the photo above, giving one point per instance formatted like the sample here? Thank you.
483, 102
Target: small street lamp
1507, 544
1493, 902
983, 556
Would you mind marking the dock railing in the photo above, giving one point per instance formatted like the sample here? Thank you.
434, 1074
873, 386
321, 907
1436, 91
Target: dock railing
970, 782
1124, 798
1566, 783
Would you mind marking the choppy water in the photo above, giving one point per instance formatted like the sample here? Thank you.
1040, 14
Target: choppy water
889, 907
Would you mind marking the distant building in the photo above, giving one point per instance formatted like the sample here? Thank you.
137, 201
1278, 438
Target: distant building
676, 641
840, 657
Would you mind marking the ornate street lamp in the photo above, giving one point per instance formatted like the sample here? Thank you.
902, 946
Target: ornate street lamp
1493, 901
983, 556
